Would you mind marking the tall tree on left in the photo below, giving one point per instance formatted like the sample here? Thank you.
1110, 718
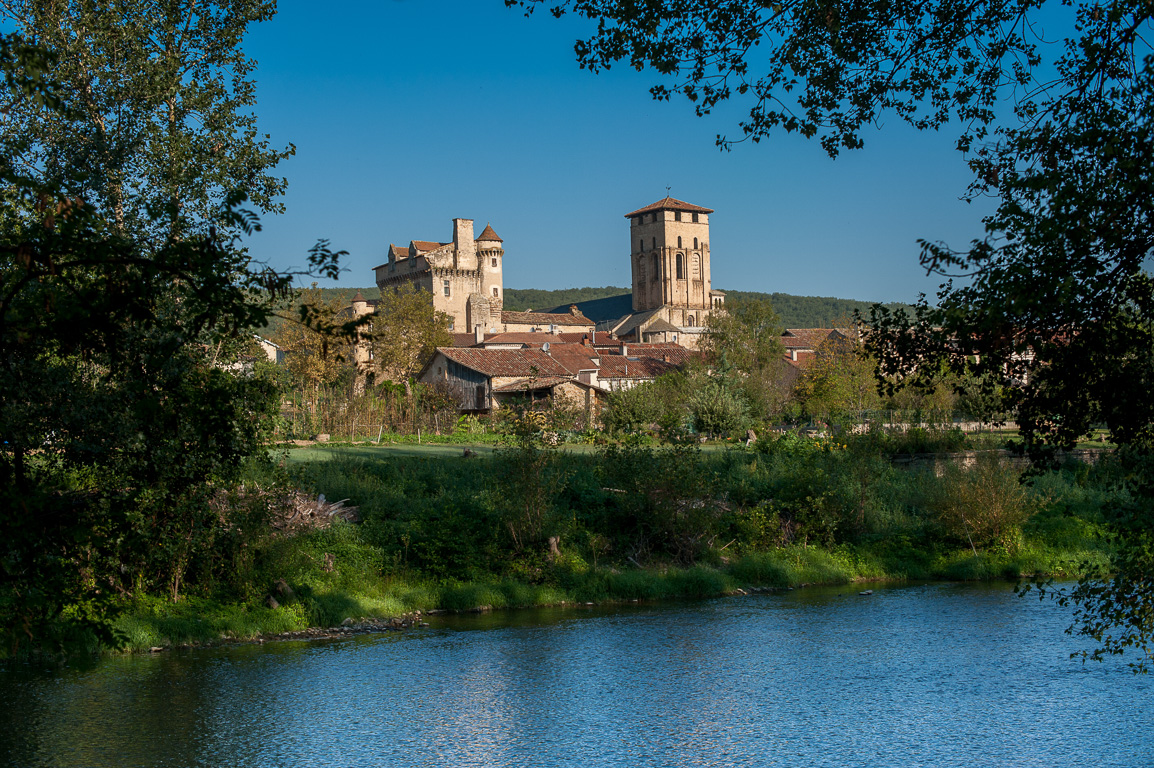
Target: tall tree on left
155, 110
121, 280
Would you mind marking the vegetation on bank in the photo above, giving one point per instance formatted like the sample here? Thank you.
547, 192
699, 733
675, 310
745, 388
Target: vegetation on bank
528, 527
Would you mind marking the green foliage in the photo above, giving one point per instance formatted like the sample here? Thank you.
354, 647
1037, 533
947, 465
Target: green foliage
406, 329
153, 110
984, 505
127, 408
747, 336
717, 406
632, 410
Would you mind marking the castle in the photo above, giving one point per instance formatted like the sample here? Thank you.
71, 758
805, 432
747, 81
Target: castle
463, 276
669, 259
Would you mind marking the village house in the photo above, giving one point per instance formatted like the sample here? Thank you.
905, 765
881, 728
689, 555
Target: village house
506, 367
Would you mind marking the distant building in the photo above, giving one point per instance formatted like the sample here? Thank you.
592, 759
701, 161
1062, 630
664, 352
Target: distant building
463, 276
669, 260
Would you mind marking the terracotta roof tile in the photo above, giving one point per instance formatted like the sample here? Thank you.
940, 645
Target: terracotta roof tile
505, 362
488, 234
531, 338
464, 339
428, 245
524, 385
670, 204
544, 318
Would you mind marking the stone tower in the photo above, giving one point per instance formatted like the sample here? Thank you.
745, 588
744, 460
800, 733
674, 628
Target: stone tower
670, 261
463, 276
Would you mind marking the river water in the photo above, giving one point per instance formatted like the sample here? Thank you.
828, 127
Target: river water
921, 675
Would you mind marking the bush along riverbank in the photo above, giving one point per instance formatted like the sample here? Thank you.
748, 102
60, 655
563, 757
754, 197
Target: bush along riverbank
532, 527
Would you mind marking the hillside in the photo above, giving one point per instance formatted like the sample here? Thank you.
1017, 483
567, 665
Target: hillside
795, 311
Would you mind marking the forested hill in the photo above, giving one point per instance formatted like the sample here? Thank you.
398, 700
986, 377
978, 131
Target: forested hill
795, 311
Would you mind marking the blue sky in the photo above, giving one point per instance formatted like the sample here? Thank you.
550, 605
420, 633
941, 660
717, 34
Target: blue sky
408, 114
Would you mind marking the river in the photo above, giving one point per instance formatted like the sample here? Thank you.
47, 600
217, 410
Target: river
917, 675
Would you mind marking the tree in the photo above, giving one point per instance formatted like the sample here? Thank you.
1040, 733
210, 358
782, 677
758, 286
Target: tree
309, 361
406, 330
120, 427
154, 110
840, 381
747, 336
1055, 302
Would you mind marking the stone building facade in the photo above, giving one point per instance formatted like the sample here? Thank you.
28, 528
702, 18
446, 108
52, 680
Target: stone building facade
464, 276
670, 261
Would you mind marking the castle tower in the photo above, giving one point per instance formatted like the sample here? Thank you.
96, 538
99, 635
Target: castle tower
491, 254
669, 255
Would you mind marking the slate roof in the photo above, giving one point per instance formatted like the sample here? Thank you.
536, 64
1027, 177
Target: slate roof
659, 325
488, 234
670, 204
601, 310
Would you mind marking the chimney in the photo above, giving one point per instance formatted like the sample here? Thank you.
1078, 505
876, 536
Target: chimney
625, 350
573, 310
464, 247
479, 335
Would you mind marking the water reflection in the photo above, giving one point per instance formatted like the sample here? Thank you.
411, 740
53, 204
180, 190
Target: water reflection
928, 675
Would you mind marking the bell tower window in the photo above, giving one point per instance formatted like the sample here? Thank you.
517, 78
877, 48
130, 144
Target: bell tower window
680, 265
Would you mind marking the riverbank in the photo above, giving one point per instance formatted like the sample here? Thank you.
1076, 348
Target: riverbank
397, 603
529, 528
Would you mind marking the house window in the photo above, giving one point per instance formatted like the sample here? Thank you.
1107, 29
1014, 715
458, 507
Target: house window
446, 287
677, 215
695, 243
679, 241
695, 218
494, 293
450, 323
681, 267
494, 261
689, 321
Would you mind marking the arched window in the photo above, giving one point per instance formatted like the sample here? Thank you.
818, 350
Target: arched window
679, 241
695, 243
689, 321
695, 269
680, 265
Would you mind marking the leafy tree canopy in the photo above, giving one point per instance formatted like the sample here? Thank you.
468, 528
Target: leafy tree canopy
1054, 302
405, 331
126, 303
